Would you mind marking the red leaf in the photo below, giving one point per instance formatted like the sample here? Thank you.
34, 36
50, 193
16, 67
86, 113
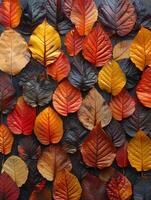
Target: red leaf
97, 47
68, 7
122, 156
60, 68
21, 119
73, 42
122, 105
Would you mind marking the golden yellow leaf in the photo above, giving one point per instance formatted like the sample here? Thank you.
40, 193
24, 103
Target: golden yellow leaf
139, 152
140, 50
111, 78
14, 54
45, 43
122, 50
16, 168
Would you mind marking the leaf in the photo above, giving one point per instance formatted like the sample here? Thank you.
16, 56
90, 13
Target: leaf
122, 50
10, 13
60, 68
118, 16
38, 92
139, 120
140, 49
106, 174
111, 78
45, 44
97, 47
44, 194
53, 156
97, 149
66, 98
6, 140
82, 75
119, 188
14, 54
143, 89
139, 151
48, 127
122, 105
122, 156
84, 14
73, 42
7, 94
74, 133
16, 169
68, 7
29, 149
21, 119
93, 110
93, 188
116, 132
66, 186
8, 188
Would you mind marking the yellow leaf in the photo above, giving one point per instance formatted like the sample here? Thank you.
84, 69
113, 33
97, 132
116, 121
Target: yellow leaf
140, 50
122, 50
111, 78
45, 43
139, 152
14, 55
16, 168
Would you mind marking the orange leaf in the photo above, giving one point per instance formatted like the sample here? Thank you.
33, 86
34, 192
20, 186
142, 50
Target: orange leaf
21, 119
98, 150
48, 127
122, 105
122, 156
97, 47
73, 42
53, 160
6, 140
60, 68
84, 14
66, 186
66, 98
10, 13
143, 89
119, 188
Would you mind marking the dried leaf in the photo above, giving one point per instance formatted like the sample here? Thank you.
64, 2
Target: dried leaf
21, 119
140, 50
122, 156
97, 149
45, 44
68, 7
97, 47
93, 110
139, 152
66, 186
16, 169
66, 98
84, 14
44, 194
6, 140
53, 160
48, 127
14, 55
10, 13
111, 78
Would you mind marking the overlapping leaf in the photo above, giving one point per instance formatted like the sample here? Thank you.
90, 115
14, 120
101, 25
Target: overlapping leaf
53, 160
68, 7
139, 152
97, 149
14, 55
111, 78
6, 140
84, 14
119, 16
66, 98
44, 194
97, 47
93, 110
122, 156
48, 127
66, 186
